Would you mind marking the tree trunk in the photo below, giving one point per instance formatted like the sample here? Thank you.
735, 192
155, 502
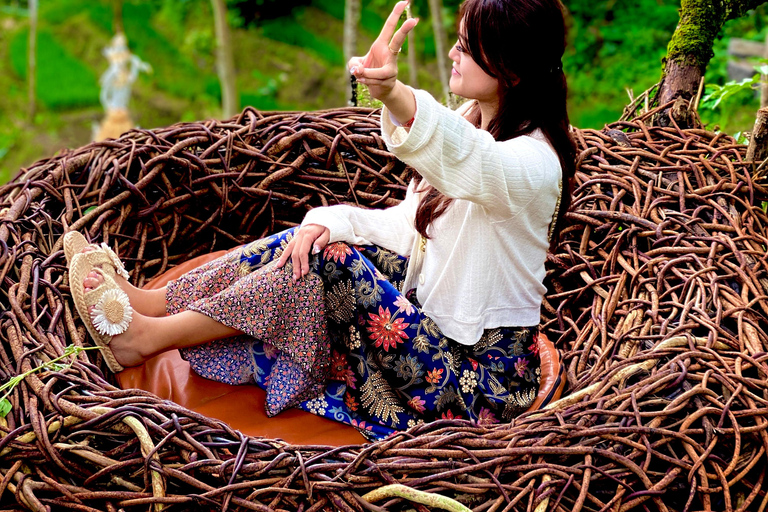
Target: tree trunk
351, 23
117, 16
757, 150
225, 62
764, 79
690, 48
441, 46
32, 59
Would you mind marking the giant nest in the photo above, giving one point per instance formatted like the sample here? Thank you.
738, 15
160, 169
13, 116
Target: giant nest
657, 298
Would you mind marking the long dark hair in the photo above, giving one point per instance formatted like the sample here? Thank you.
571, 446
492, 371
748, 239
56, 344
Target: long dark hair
521, 44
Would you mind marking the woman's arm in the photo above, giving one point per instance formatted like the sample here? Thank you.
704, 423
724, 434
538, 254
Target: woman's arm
458, 159
391, 228
464, 162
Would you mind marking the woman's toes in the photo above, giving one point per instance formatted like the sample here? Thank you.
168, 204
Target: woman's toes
92, 281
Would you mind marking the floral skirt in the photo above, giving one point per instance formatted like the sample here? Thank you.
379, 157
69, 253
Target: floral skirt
344, 342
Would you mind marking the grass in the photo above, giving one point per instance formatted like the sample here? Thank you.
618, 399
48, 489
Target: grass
292, 31
63, 81
173, 72
371, 18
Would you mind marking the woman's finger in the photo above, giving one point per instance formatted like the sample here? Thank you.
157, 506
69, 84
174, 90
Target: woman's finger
301, 255
368, 59
391, 24
385, 73
373, 82
355, 64
286, 254
296, 256
398, 40
322, 241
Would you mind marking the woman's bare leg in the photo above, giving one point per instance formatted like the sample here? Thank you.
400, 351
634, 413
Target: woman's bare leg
148, 336
145, 302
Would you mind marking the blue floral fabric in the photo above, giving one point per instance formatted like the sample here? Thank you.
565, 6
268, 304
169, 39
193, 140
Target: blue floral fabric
345, 343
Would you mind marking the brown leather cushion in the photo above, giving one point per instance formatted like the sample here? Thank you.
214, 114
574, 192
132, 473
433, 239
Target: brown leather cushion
242, 407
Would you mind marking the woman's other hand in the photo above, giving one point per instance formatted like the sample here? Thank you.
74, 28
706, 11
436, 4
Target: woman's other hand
378, 68
311, 237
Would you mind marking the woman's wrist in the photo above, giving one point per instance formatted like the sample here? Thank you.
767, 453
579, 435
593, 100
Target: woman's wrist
401, 104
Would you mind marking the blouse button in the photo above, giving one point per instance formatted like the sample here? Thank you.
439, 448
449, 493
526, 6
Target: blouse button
421, 278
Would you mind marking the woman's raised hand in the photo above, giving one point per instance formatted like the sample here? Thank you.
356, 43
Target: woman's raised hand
311, 237
378, 68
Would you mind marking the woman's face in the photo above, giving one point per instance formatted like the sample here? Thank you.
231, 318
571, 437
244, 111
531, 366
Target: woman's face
468, 79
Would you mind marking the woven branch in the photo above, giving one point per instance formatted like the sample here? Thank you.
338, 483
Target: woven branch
657, 298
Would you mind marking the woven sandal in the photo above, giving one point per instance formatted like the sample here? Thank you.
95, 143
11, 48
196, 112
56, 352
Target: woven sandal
112, 312
103, 256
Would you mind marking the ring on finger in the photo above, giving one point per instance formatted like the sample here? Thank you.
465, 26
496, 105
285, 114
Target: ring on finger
393, 52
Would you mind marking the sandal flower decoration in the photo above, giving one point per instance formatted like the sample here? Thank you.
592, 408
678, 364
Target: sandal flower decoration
119, 267
112, 314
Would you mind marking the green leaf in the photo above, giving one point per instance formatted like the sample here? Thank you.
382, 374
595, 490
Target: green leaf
5, 407
762, 69
719, 93
741, 138
89, 210
764, 206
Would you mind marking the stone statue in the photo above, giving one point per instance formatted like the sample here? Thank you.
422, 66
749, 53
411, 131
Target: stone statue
116, 83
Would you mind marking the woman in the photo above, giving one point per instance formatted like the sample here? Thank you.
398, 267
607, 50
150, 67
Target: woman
387, 318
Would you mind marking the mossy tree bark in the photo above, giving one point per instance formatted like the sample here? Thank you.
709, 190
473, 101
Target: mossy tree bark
690, 48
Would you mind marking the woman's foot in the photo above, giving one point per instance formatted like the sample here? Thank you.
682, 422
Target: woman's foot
126, 347
145, 302
130, 324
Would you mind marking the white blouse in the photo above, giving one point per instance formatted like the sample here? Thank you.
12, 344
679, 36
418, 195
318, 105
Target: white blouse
483, 266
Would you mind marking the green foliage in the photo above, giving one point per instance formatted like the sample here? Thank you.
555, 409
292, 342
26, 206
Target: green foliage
174, 72
291, 31
717, 93
364, 98
60, 11
52, 365
737, 113
174, 69
292, 62
63, 81
332, 7
371, 16
610, 50
260, 101
6, 143
265, 96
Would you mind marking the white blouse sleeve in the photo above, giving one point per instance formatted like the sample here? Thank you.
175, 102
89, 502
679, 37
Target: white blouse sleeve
464, 162
391, 228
